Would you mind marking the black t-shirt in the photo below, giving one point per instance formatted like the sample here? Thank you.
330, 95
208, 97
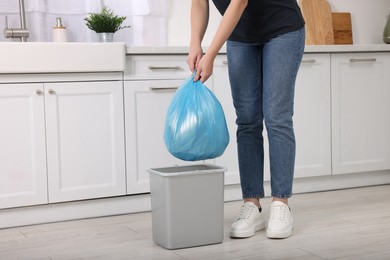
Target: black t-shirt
263, 20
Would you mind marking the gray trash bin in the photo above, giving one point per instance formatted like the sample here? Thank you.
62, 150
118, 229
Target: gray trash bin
187, 205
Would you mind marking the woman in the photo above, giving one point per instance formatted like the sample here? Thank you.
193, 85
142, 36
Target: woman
265, 43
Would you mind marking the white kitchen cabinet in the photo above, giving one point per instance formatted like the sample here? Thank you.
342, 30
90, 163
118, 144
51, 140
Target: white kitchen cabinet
85, 140
312, 116
149, 67
146, 104
360, 112
23, 179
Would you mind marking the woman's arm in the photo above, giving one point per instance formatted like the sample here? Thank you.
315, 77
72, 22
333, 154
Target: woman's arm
228, 23
199, 21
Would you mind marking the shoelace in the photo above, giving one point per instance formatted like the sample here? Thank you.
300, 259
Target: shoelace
279, 213
245, 212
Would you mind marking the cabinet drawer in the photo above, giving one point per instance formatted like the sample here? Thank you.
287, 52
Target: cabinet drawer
156, 67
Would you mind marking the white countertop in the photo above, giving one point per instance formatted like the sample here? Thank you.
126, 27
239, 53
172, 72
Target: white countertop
347, 48
308, 49
50, 57
100, 57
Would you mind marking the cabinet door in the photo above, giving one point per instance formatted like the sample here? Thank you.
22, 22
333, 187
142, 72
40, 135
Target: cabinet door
23, 179
360, 112
85, 140
146, 104
312, 117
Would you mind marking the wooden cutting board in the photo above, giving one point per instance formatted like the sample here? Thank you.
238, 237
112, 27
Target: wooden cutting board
318, 18
342, 28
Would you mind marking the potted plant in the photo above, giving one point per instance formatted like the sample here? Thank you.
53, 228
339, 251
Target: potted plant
105, 24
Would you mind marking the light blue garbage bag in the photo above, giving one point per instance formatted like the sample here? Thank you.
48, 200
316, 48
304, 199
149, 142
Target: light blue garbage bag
195, 125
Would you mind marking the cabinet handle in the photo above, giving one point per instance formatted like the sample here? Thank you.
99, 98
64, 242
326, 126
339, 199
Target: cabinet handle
163, 88
51, 91
164, 68
311, 61
225, 62
38, 91
363, 60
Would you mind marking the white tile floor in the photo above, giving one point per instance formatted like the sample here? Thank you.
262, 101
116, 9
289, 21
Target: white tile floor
343, 224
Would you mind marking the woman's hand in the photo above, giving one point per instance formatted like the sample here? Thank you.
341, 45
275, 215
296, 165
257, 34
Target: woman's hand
194, 57
204, 68
202, 64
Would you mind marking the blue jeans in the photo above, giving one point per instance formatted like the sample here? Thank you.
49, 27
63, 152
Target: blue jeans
262, 78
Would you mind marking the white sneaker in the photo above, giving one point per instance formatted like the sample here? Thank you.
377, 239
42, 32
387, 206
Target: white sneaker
280, 224
247, 222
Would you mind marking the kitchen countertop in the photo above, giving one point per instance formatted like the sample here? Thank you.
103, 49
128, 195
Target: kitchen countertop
18, 58
53, 57
134, 50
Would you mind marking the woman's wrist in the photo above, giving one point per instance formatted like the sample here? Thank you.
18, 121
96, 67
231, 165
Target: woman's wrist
195, 45
212, 52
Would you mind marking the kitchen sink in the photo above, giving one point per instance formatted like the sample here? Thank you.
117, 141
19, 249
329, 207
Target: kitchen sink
50, 57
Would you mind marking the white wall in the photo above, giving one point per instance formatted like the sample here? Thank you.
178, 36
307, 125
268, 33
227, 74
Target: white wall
179, 23
147, 19
368, 20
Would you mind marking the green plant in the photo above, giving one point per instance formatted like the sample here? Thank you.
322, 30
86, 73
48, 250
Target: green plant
105, 21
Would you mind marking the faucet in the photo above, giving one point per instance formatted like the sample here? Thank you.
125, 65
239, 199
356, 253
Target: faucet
21, 32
